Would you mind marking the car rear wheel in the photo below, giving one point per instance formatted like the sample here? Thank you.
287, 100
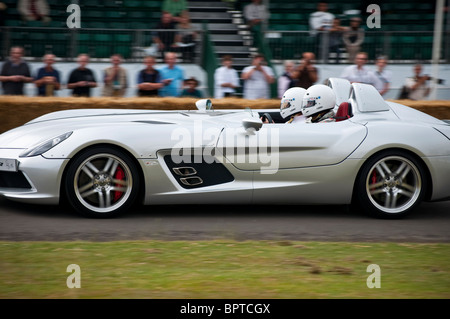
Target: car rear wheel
391, 184
102, 182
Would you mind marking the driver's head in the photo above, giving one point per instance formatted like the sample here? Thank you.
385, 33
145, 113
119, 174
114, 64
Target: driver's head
318, 98
291, 102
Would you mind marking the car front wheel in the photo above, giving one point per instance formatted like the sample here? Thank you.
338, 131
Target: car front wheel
391, 184
102, 182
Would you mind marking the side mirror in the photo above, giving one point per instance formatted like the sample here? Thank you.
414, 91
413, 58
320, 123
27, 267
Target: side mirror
204, 105
252, 125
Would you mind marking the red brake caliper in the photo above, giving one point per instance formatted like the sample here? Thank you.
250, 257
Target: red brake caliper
374, 177
120, 175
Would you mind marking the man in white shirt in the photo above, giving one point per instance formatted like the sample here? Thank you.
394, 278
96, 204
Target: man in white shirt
359, 72
255, 13
417, 85
321, 20
226, 79
383, 77
258, 78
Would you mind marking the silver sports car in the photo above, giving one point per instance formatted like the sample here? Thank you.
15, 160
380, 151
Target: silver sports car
382, 156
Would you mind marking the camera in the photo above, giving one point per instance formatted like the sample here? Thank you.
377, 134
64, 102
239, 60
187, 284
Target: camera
438, 81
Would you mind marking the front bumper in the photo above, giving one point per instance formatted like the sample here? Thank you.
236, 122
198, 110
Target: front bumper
37, 181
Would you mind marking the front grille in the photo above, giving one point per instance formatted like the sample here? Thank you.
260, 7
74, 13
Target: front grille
13, 180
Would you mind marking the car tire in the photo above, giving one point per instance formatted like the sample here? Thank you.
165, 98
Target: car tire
390, 184
101, 182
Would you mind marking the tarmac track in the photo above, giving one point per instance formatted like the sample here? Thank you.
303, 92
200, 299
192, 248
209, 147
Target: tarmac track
22, 222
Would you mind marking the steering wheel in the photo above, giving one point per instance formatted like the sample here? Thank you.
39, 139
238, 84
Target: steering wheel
268, 117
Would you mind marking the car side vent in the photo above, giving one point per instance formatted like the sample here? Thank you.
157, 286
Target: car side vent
191, 181
184, 171
194, 173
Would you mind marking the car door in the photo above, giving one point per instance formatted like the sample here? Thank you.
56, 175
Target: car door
284, 146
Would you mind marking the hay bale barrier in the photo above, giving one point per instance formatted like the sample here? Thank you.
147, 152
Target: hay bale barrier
17, 110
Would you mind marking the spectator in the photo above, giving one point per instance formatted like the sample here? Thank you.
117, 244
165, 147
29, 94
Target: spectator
417, 86
47, 79
258, 78
191, 90
358, 72
285, 79
188, 37
115, 78
306, 73
149, 79
226, 79
336, 34
320, 23
353, 38
383, 76
176, 8
15, 73
172, 76
34, 10
256, 14
82, 79
166, 37
321, 20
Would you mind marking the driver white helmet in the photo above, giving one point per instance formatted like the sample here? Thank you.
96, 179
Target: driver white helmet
318, 98
291, 103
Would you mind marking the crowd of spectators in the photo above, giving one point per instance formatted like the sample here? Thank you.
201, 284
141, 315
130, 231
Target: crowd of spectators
170, 81
324, 24
415, 87
175, 33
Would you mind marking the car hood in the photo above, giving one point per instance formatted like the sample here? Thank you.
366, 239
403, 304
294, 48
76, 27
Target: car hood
54, 124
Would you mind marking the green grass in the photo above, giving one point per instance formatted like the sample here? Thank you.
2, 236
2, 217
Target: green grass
223, 269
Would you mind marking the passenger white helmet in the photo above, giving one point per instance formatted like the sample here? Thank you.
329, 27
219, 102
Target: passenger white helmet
318, 98
291, 103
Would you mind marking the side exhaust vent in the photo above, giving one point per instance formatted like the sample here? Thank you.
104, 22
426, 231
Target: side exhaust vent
184, 171
191, 181
191, 173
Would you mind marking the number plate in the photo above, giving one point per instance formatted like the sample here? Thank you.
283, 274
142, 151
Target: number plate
8, 165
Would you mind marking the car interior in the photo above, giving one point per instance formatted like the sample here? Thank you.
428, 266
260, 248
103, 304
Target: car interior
343, 113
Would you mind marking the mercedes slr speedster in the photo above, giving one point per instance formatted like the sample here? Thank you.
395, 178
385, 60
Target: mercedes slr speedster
382, 156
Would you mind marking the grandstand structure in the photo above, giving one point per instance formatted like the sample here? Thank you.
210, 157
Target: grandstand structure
121, 26
126, 27
406, 32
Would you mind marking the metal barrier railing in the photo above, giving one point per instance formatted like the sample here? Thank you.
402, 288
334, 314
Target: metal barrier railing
133, 44
401, 46
66, 44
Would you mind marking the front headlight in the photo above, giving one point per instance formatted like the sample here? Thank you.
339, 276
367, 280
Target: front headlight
45, 146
